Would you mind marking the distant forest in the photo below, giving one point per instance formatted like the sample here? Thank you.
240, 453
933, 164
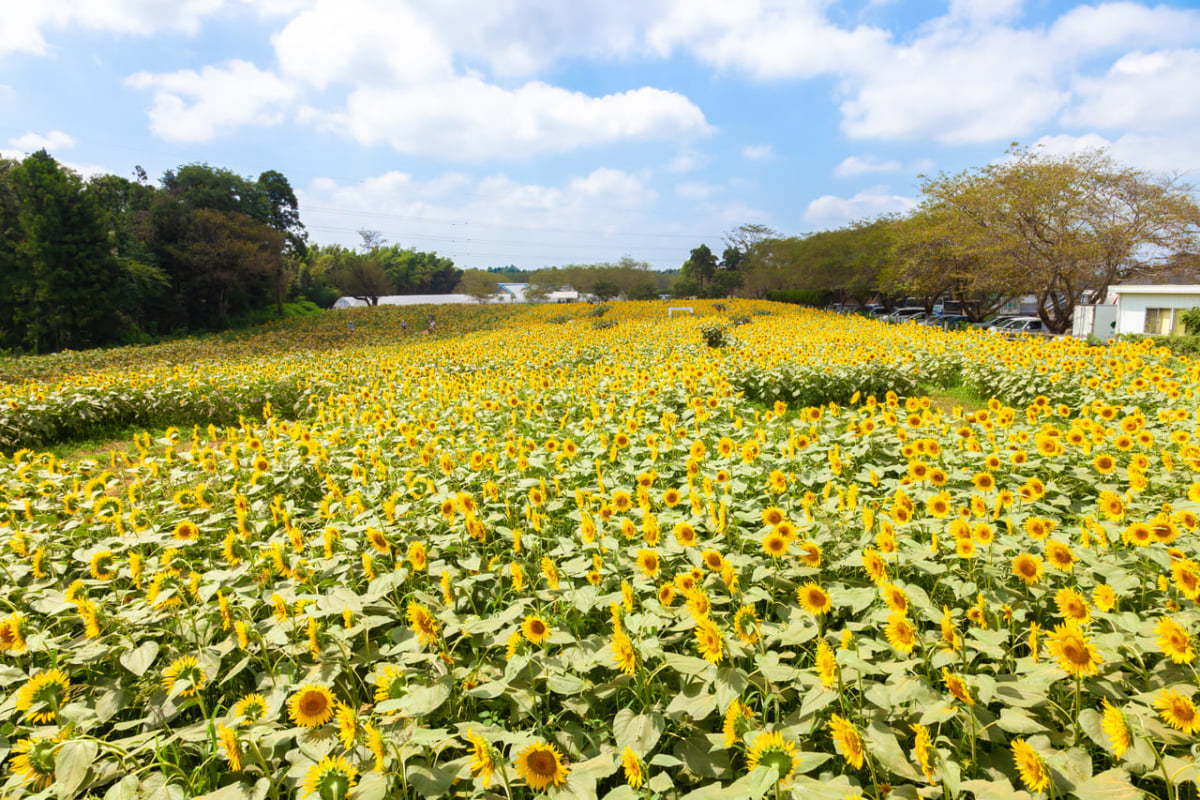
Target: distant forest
108, 260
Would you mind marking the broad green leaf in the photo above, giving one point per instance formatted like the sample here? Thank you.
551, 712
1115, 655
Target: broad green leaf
139, 660
637, 731
71, 766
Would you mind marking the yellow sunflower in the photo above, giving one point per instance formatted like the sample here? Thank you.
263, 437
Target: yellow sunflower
814, 599
648, 562
827, 666
1113, 724
709, 641
535, 629
747, 625
1072, 606
43, 695
229, 746
1174, 641
33, 760
312, 706
184, 668
900, 633
1028, 568
250, 709
635, 771
847, 741
331, 779
422, 623
773, 751
483, 758
623, 654
1032, 769
540, 765
1075, 654
1177, 710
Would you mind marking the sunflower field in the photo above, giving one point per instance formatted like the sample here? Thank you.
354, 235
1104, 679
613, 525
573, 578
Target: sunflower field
583, 552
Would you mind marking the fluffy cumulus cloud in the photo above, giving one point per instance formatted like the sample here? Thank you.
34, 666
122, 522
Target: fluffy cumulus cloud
1163, 153
767, 39
26, 24
191, 106
468, 118
52, 141
1141, 91
830, 210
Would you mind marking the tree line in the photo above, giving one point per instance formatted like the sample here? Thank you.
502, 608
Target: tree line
109, 260
1058, 228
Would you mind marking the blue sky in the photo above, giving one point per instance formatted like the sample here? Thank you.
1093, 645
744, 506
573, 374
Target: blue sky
542, 132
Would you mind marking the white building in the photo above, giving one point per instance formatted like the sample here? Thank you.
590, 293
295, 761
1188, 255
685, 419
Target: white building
1143, 308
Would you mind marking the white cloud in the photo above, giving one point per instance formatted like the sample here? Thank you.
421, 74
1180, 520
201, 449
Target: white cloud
687, 161
861, 165
618, 186
1088, 29
361, 41
25, 23
697, 190
758, 152
763, 38
831, 210
1166, 153
1142, 91
31, 142
468, 119
864, 165
493, 219
192, 106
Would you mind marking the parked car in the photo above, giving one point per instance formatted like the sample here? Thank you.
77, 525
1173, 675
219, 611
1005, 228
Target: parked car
1018, 325
906, 314
950, 322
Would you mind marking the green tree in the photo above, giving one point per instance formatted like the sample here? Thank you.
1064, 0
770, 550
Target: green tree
700, 266
479, 284
1066, 227
65, 278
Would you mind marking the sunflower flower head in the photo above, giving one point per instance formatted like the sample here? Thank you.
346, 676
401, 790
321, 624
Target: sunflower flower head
634, 768
483, 758
540, 766
1032, 769
771, 750
330, 779
311, 706
43, 695
1112, 722
847, 741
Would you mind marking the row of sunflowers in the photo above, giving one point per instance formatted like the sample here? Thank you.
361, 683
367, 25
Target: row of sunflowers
609, 561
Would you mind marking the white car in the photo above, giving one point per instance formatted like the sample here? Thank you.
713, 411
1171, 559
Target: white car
1020, 325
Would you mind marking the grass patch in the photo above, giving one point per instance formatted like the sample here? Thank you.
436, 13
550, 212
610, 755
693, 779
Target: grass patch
98, 448
945, 399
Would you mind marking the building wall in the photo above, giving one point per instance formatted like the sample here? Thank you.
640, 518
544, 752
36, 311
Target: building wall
1131, 318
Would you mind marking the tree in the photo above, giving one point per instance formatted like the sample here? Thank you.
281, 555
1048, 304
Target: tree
605, 290
929, 261
283, 214
230, 262
700, 266
1066, 227
478, 284
64, 277
361, 278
